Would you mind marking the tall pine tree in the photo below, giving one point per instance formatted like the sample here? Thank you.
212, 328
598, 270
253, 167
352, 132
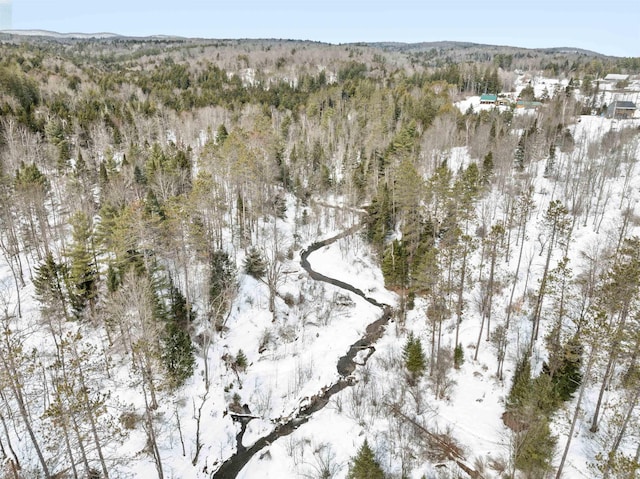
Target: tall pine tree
414, 359
49, 283
83, 274
254, 264
365, 465
178, 349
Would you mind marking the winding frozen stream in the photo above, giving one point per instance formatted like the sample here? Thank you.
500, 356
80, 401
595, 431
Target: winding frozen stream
346, 366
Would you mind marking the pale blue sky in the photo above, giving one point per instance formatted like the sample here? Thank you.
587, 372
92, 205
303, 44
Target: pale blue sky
606, 26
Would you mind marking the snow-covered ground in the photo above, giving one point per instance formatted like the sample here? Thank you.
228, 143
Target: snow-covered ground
302, 346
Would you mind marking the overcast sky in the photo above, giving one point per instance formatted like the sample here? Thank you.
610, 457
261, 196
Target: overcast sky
606, 26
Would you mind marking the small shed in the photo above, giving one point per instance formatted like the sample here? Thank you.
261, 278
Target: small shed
621, 110
488, 99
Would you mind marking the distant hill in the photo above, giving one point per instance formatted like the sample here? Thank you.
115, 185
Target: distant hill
453, 45
48, 33
444, 50
83, 36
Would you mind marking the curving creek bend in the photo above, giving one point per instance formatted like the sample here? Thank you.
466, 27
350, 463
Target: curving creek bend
346, 366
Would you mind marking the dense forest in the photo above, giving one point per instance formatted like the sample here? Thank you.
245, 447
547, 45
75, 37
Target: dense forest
159, 199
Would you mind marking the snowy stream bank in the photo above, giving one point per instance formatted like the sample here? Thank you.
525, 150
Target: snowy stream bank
345, 366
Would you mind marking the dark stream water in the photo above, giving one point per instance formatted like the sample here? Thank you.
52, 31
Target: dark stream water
346, 366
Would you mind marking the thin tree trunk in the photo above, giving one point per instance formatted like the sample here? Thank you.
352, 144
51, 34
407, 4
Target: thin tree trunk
92, 422
621, 433
184, 452
83, 451
11, 372
490, 286
148, 378
15, 269
543, 285
64, 426
14, 457
460, 294
613, 356
576, 412
526, 279
65, 434
475, 356
515, 279
151, 434
603, 387
65, 395
198, 418
432, 361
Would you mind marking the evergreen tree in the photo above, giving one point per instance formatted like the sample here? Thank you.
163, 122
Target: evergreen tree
379, 221
83, 274
530, 404
279, 206
56, 136
179, 311
221, 134
254, 264
283, 175
49, 284
177, 354
178, 350
395, 267
520, 153
80, 169
113, 279
550, 166
103, 175
153, 208
521, 383
414, 359
139, 176
29, 176
458, 356
472, 180
408, 189
221, 281
240, 363
359, 179
487, 168
365, 465
31, 191
565, 370
528, 93
535, 449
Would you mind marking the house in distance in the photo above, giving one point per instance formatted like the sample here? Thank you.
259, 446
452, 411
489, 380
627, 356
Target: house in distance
616, 77
488, 99
621, 110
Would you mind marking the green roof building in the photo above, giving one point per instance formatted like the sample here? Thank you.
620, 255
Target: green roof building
488, 99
